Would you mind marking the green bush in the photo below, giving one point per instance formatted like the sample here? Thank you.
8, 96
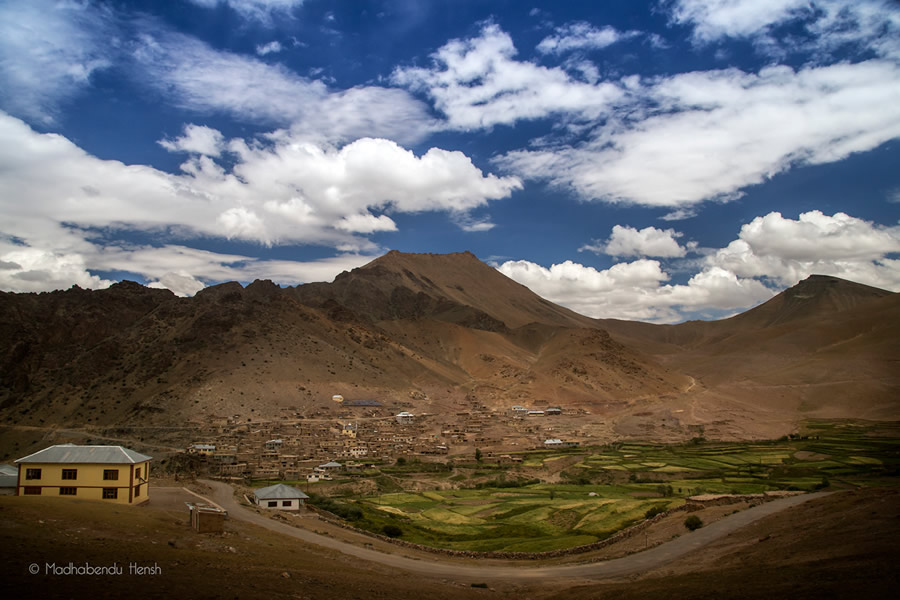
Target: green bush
392, 531
654, 510
693, 522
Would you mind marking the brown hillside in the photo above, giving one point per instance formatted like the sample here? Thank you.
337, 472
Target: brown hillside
440, 334
438, 331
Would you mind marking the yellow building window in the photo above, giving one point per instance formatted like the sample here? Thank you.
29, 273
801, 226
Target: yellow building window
137, 473
110, 493
110, 474
32, 473
32, 491
137, 491
70, 474
68, 491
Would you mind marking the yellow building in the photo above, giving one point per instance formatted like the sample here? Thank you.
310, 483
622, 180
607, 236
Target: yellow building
108, 473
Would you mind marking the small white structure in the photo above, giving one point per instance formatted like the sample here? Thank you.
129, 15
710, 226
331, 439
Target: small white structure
405, 418
329, 466
313, 478
204, 449
535, 413
274, 444
280, 497
337, 398
518, 410
554, 443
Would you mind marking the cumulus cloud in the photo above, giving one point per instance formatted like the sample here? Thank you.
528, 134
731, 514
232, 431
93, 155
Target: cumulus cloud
713, 133
788, 250
197, 139
635, 290
581, 36
273, 47
477, 83
48, 53
770, 252
713, 19
649, 241
277, 190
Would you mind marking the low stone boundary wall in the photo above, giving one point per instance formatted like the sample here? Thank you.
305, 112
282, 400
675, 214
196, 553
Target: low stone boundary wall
693, 504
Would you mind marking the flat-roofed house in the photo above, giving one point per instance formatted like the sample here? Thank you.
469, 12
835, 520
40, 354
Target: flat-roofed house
108, 473
281, 497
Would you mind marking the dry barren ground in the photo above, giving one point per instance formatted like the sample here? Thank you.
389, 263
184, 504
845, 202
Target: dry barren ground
843, 545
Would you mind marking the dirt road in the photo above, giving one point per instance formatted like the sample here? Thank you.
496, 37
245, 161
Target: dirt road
526, 571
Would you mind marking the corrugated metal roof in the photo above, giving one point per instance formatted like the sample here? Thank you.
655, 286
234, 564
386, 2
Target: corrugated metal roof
8, 470
72, 454
279, 491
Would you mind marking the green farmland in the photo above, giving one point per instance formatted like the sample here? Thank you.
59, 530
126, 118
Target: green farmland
608, 488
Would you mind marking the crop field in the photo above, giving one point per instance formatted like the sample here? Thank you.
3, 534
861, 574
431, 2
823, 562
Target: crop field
612, 487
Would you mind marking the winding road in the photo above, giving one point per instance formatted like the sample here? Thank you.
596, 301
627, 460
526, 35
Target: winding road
223, 494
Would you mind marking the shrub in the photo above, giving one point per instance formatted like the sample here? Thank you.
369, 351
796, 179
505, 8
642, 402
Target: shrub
693, 522
654, 510
392, 531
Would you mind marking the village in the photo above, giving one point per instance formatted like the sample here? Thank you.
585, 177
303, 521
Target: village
365, 432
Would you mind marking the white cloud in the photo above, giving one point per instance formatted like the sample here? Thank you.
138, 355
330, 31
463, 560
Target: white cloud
262, 11
816, 236
197, 139
635, 290
476, 83
649, 241
279, 190
713, 19
27, 269
273, 47
714, 133
786, 250
823, 26
48, 52
581, 35
181, 284
191, 74
772, 248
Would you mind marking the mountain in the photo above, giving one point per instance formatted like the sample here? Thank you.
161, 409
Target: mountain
825, 347
441, 334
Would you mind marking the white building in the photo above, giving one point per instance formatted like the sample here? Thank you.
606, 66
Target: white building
405, 418
280, 497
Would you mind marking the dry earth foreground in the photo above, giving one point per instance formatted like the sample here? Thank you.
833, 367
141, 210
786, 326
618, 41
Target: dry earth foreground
839, 545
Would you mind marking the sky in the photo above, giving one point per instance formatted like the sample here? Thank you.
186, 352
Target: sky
657, 161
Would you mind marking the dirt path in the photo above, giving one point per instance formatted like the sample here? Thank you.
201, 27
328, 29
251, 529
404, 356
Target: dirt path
527, 571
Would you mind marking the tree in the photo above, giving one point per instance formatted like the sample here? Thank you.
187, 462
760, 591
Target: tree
477, 454
693, 522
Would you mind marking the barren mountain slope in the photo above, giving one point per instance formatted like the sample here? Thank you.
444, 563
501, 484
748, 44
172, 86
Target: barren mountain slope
825, 347
131, 354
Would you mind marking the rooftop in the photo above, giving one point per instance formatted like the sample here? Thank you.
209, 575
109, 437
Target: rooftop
279, 491
73, 454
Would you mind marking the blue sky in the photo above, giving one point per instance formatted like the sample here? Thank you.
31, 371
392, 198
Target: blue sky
658, 161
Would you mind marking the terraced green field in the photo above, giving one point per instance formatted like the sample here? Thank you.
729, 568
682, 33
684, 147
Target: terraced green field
612, 487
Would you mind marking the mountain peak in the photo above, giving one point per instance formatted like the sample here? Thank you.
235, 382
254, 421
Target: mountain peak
815, 296
455, 287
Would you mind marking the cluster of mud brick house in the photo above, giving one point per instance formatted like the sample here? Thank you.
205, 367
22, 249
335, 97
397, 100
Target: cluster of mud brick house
293, 448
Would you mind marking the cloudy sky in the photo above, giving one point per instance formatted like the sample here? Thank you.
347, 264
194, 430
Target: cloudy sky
659, 160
